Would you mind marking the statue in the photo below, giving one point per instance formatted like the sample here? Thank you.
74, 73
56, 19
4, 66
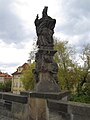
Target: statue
46, 69
44, 13
45, 29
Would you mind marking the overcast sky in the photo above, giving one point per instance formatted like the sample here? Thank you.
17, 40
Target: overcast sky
17, 30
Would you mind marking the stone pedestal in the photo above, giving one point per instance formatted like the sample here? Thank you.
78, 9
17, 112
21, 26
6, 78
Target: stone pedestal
38, 109
38, 101
46, 84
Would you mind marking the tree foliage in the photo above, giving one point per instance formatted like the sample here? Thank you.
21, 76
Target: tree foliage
6, 86
84, 82
28, 78
72, 76
83, 87
63, 57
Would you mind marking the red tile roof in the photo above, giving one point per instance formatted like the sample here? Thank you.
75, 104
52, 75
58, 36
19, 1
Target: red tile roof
5, 75
16, 73
24, 66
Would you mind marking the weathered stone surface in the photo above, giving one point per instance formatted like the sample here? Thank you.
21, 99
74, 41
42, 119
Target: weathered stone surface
46, 95
15, 98
38, 112
18, 111
57, 106
80, 117
13, 107
45, 29
46, 83
39, 100
46, 69
58, 115
83, 109
68, 110
54, 116
6, 118
43, 106
0, 95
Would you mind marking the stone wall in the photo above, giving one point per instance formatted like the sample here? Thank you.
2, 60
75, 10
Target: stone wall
38, 103
13, 107
58, 108
62, 110
41, 106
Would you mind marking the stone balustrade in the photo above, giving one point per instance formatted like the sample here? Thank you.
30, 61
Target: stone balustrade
41, 106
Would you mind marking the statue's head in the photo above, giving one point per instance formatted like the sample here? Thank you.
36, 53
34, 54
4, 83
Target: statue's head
44, 12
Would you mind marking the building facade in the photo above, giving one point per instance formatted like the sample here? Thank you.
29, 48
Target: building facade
4, 77
17, 85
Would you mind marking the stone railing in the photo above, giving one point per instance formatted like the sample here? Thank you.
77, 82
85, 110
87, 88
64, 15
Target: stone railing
12, 107
62, 110
41, 106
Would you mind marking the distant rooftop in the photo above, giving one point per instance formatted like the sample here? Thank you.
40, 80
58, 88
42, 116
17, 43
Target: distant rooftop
5, 75
20, 69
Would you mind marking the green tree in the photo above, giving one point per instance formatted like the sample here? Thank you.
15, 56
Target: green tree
83, 75
28, 78
86, 59
6, 86
85, 69
64, 59
1, 86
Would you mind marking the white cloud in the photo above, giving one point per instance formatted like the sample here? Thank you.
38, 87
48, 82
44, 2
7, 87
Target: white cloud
10, 55
17, 29
27, 11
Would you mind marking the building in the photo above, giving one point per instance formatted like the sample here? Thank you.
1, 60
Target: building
4, 77
17, 85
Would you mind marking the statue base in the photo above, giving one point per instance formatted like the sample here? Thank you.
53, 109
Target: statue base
46, 84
